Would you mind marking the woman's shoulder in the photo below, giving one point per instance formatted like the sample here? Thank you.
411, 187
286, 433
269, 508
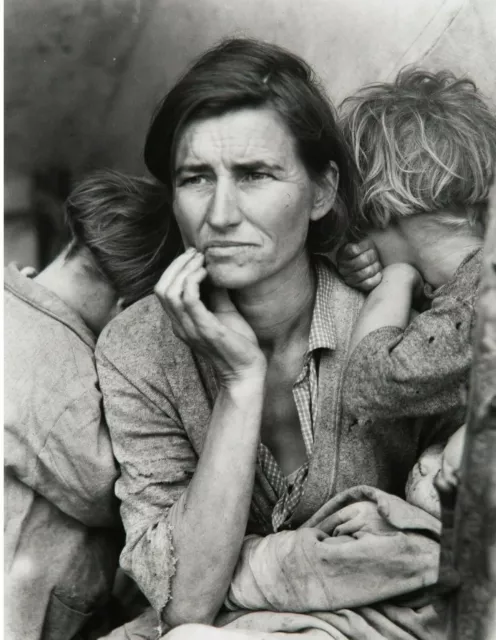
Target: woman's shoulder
347, 294
144, 332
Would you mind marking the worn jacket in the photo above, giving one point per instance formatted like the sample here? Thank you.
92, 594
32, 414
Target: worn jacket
158, 396
61, 530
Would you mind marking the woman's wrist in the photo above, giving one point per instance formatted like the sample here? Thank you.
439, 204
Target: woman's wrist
251, 382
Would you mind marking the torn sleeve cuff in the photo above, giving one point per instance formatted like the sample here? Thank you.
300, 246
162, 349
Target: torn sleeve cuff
153, 560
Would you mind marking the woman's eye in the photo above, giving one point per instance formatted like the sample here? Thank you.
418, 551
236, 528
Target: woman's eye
257, 176
193, 180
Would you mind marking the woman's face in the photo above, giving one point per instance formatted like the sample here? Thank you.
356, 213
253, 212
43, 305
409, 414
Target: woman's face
243, 197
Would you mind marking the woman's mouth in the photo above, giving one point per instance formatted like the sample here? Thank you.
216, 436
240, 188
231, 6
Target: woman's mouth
221, 248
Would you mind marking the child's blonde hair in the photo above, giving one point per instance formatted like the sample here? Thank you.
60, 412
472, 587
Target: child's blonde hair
424, 143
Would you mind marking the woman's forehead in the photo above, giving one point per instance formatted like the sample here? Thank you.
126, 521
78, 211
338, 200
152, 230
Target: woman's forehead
242, 136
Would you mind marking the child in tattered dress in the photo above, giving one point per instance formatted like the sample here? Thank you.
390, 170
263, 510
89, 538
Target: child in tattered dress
425, 146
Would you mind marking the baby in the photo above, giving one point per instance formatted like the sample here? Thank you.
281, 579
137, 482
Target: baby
425, 147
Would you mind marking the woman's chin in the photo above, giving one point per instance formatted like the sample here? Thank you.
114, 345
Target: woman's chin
230, 277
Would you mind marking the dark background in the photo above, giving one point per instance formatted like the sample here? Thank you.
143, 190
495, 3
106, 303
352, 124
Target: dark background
82, 77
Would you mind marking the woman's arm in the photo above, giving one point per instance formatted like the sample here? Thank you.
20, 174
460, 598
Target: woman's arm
183, 547
211, 516
185, 517
373, 548
210, 519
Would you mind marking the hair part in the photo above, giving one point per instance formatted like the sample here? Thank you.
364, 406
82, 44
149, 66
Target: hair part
245, 73
124, 224
424, 143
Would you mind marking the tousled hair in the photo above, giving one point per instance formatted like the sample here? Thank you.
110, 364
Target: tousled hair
123, 223
424, 143
244, 73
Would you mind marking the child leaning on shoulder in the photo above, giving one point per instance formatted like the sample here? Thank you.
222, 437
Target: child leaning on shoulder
425, 147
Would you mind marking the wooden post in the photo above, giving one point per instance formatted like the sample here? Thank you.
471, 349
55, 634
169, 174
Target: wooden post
473, 614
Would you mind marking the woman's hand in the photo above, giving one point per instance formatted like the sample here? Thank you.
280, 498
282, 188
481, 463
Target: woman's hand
222, 335
359, 265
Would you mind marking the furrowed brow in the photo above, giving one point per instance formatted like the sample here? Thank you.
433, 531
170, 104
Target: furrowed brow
257, 165
191, 167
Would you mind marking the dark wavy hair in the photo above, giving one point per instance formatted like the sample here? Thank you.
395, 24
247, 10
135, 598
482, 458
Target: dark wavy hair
123, 223
245, 73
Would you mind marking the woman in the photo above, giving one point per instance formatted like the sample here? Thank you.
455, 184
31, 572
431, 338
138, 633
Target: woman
225, 411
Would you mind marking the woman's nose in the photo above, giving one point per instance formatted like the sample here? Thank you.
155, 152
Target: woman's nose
223, 209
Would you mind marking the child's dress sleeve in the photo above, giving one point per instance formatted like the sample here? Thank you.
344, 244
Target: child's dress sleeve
419, 371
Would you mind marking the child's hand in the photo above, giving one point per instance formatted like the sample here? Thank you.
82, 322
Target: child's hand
448, 477
359, 517
359, 265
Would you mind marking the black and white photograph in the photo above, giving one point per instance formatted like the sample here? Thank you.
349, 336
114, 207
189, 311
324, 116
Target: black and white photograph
249, 320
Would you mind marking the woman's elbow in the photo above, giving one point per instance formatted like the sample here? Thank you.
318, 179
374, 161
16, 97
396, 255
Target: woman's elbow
191, 632
176, 613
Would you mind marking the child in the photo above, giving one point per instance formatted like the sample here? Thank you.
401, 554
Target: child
62, 528
425, 146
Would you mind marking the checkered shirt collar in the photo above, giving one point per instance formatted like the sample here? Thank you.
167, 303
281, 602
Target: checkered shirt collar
322, 331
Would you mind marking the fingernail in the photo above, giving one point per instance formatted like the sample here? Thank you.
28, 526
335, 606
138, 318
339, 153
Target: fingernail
190, 251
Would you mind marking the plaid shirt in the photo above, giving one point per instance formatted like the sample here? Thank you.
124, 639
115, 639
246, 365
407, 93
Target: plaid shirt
305, 392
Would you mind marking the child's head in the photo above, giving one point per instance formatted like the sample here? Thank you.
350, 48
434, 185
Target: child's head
425, 143
124, 226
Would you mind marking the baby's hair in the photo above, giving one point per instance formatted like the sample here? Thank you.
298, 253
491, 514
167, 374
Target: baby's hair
424, 143
125, 225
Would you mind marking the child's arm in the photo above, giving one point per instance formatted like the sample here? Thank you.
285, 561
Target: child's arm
389, 304
396, 369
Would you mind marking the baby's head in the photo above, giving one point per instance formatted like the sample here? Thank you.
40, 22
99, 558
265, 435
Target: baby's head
420, 489
423, 144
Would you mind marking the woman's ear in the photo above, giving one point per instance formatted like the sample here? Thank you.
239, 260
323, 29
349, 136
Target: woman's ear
120, 305
326, 188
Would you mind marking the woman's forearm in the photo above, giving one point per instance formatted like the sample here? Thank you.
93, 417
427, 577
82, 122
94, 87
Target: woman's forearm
210, 519
317, 568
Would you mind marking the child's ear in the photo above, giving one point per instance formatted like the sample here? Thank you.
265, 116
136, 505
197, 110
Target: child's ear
326, 189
